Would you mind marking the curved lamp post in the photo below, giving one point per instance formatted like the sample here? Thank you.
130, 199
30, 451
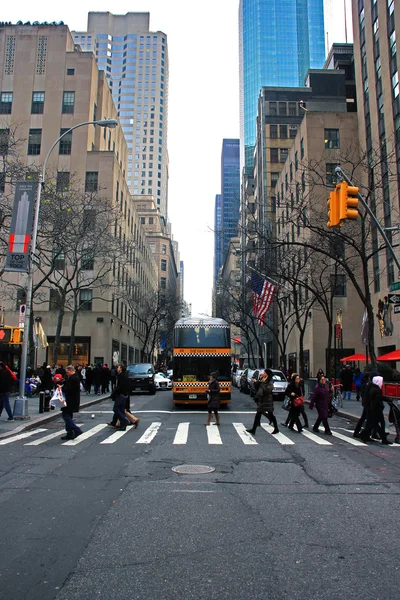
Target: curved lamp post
21, 405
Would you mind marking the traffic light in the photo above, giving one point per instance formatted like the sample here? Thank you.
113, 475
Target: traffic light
17, 335
11, 335
333, 209
5, 335
348, 201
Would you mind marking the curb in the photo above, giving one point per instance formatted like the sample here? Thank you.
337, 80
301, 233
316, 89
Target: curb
47, 418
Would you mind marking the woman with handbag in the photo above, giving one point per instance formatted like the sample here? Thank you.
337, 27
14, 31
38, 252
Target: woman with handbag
302, 411
265, 402
321, 399
295, 393
214, 401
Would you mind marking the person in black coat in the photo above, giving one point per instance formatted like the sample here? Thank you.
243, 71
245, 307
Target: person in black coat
46, 380
72, 393
120, 395
346, 379
293, 391
265, 402
364, 383
214, 400
374, 404
97, 377
6, 387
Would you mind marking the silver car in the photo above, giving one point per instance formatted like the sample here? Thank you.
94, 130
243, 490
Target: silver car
280, 384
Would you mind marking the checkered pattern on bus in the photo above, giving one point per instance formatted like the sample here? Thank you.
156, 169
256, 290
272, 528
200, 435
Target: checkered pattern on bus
206, 354
186, 384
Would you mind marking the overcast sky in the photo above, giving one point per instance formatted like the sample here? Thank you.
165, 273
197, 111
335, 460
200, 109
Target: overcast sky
203, 106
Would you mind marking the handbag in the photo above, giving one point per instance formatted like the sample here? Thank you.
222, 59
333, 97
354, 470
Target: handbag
299, 401
285, 404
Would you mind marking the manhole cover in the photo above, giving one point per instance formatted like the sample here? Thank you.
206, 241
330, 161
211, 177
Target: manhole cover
192, 469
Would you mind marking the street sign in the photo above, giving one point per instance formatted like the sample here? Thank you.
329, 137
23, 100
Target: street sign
17, 258
394, 299
22, 310
397, 309
395, 286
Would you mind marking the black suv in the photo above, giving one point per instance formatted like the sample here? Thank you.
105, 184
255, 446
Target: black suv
141, 377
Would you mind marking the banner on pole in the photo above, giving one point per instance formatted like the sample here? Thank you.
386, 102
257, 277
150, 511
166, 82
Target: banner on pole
17, 259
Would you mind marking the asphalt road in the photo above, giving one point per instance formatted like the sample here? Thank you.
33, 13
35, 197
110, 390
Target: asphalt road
291, 517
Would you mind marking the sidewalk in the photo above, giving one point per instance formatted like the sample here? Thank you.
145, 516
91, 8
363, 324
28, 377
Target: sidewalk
8, 428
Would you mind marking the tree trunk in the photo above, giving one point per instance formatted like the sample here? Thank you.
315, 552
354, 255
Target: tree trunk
61, 313
73, 328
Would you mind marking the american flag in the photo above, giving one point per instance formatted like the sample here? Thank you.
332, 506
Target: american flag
262, 292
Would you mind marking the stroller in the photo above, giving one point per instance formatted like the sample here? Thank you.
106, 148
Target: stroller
394, 415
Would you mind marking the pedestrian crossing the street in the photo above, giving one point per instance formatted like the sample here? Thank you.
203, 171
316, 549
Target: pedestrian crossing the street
211, 435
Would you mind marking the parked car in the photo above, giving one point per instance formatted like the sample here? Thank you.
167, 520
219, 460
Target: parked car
236, 377
244, 384
141, 377
278, 378
162, 382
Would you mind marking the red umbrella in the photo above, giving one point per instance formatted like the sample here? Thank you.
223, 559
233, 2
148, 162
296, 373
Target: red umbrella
395, 355
354, 357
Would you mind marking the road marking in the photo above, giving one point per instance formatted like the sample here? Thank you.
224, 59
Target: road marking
349, 440
21, 436
315, 438
280, 437
149, 434
181, 436
114, 437
46, 438
244, 435
86, 435
213, 434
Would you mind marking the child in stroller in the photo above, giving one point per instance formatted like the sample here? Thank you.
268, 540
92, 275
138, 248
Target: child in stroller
394, 416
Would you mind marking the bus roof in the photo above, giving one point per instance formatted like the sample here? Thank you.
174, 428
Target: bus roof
202, 322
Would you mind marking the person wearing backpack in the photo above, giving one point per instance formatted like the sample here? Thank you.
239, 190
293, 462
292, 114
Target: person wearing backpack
6, 387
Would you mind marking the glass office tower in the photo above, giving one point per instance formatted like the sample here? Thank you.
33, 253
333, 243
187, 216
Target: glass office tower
230, 191
217, 236
279, 40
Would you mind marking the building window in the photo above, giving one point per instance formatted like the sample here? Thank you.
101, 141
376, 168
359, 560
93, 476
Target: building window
151, 220
89, 219
164, 249
274, 179
273, 131
70, 71
338, 284
59, 260
68, 103
330, 173
91, 182
332, 139
4, 141
292, 132
296, 160
6, 103
163, 264
143, 220
65, 144
62, 181
34, 141
273, 108
88, 261
163, 283
85, 299
37, 103
292, 109
54, 300
282, 109
302, 148
274, 155
283, 131
283, 155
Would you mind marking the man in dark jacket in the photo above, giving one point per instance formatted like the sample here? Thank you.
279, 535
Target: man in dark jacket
6, 386
72, 393
346, 379
374, 404
120, 395
265, 402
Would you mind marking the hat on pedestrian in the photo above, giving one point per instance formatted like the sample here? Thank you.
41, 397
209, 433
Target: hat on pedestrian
378, 381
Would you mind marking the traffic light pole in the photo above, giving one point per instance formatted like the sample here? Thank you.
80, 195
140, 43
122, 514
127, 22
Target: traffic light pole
340, 173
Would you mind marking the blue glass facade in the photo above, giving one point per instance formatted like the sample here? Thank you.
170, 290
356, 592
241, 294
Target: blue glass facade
217, 236
279, 41
230, 191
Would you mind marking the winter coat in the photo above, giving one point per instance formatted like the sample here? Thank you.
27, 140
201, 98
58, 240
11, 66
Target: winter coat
293, 391
47, 380
123, 387
213, 390
358, 379
321, 399
264, 398
346, 379
72, 393
6, 381
373, 399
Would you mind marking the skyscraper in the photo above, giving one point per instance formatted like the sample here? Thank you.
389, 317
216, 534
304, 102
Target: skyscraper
230, 191
278, 43
217, 236
136, 64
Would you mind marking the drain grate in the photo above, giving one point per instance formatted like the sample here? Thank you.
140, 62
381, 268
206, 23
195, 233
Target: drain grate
192, 469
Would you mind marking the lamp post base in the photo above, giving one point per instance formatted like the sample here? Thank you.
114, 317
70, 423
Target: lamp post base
21, 408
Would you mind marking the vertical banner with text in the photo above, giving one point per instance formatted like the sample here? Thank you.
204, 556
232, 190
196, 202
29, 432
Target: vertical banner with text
17, 259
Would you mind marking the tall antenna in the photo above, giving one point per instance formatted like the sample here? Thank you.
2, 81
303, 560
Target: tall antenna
345, 20
327, 43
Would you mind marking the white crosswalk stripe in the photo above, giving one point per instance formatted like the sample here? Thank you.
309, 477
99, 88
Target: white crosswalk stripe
114, 437
315, 438
279, 437
182, 434
21, 436
149, 434
86, 435
213, 435
244, 435
349, 440
46, 438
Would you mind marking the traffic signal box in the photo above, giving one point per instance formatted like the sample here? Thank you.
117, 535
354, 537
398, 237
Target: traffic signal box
342, 204
11, 335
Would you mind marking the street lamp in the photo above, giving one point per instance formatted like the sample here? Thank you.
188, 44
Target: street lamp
21, 405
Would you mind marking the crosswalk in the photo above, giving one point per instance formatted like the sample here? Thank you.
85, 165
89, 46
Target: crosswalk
211, 434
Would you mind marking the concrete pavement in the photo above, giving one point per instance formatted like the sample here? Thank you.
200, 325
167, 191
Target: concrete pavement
35, 419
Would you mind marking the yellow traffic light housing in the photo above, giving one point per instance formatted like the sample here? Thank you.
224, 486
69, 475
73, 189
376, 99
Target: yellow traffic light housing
348, 201
17, 336
333, 209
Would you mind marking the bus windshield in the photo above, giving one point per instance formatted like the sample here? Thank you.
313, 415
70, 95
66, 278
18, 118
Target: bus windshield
195, 368
202, 337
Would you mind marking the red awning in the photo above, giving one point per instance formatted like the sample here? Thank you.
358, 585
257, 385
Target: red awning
395, 355
354, 357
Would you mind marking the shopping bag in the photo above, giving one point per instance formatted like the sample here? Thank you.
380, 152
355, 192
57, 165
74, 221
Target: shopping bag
58, 399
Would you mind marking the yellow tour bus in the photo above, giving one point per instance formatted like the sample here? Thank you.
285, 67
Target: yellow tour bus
201, 346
